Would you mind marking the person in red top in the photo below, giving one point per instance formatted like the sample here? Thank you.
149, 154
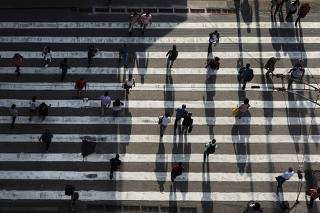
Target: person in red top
176, 171
303, 11
214, 64
17, 60
243, 108
80, 84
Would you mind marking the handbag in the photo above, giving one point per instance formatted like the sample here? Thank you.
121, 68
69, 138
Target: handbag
235, 112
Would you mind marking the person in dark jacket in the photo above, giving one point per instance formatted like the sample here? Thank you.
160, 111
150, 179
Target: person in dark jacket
64, 68
43, 110
245, 74
172, 56
187, 124
214, 64
210, 148
92, 51
46, 138
114, 165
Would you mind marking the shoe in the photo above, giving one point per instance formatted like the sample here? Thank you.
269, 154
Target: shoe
243, 88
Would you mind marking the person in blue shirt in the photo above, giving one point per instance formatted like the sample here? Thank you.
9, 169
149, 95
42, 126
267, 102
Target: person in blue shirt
245, 74
46, 138
123, 53
180, 113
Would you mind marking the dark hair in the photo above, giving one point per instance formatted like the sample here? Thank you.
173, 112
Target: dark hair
148, 13
106, 93
217, 59
184, 106
213, 140
256, 206
117, 102
180, 164
290, 169
174, 47
65, 59
167, 114
81, 79
117, 156
125, 45
130, 76
190, 114
13, 106
247, 65
246, 101
34, 98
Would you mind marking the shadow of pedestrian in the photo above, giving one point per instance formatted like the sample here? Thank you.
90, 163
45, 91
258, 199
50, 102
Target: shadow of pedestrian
161, 166
168, 93
246, 12
141, 62
206, 201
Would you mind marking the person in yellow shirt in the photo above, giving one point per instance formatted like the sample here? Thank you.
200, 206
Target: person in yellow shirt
314, 194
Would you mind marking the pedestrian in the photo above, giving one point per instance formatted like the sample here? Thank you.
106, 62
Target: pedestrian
213, 39
43, 110
187, 124
80, 84
114, 165
164, 122
214, 64
128, 84
246, 75
92, 51
105, 102
269, 66
133, 19
297, 73
243, 108
181, 112
17, 60
176, 171
314, 194
116, 107
292, 9
210, 148
46, 138
123, 53
33, 106
64, 68
279, 4
47, 56
145, 19
172, 56
285, 176
14, 114
303, 11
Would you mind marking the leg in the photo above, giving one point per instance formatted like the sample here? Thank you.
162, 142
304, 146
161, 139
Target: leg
290, 82
168, 62
13, 121
210, 47
111, 172
89, 61
102, 109
204, 156
173, 176
47, 146
277, 9
244, 84
130, 27
298, 20
63, 75
176, 124
311, 202
125, 60
171, 63
183, 129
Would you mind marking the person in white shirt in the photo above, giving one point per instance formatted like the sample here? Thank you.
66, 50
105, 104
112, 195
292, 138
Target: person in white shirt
285, 176
47, 57
105, 102
128, 84
164, 121
33, 106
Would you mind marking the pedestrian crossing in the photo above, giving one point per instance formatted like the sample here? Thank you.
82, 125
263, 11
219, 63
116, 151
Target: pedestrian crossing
280, 130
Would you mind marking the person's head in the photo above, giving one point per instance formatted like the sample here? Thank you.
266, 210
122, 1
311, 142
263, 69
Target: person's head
125, 45
184, 106
117, 156
65, 60
13, 106
247, 65
147, 13
34, 98
189, 114
290, 169
130, 77
106, 93
167, 114
295, 2
180, 164
256, 206
246, 101
91, 46
174, 47
46, 131
135, 13
217, 59
213, 141
117, 101
215, 32
81, 79
48, 49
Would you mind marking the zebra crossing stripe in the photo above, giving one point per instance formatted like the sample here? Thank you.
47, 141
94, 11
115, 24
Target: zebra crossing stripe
196, 139
155, 40
160, 158
162, 55
145, 71
211, 121
94, 86
164, 104
154, 25
138, 176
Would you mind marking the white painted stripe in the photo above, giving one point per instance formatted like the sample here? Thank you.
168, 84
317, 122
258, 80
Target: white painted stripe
162, 55
196, 139
84, 120
147, 87
139, 176
145, 71
154, 25
157, 158
164, 104
155, 40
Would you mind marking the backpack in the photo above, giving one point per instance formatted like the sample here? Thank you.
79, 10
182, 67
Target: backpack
250, 75
211, 149
173, 55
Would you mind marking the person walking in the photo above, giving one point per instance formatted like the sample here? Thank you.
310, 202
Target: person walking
243, 108
17, 60
164, 122
46, 138
269, 66
292, 9
284, 177
210, 148
92, 51
303, 11
297, 73
33, 106
187, 124
47, 56
43, 110
123, 54
180, 113
176, 171
213, 39
128, 84
245, 74
14, 114
105, 102
172, 56
64, 68
114, 165
117, 107
80, 84
279, 4
145, 19
214, 64
133, 19
314, 194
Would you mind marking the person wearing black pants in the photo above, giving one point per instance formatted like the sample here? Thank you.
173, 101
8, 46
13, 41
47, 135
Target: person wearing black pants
114, 165
46, 138
14, 113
